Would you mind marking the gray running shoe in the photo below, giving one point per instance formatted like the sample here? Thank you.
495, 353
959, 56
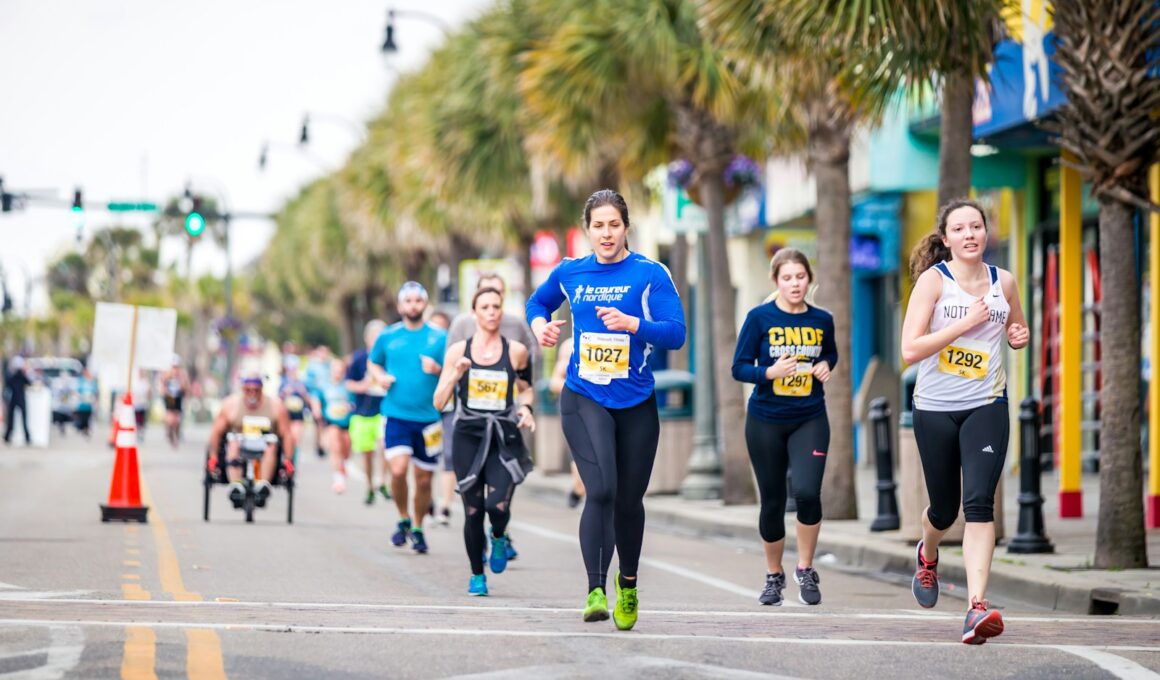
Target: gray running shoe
774, 584
981, 623
808, 580
924, 585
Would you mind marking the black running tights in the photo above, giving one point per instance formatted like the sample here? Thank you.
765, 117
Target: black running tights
962, 450
491, 495
774, 447
614, 450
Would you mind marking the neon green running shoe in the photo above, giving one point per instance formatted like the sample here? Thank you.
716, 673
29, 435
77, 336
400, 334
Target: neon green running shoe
597, 607
624, 614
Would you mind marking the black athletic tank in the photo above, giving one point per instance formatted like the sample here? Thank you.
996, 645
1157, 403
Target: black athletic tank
487, 388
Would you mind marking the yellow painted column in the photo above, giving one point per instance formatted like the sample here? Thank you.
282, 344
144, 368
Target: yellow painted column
1152, 516
1070, 341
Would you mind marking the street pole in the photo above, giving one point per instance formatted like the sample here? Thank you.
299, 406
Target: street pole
231, 345
703, 481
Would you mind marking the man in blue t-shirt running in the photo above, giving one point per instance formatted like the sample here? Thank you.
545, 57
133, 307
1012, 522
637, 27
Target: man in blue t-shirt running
406, 361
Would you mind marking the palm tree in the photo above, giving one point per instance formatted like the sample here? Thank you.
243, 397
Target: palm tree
1108, 53
912, 41
663, 90
822, 97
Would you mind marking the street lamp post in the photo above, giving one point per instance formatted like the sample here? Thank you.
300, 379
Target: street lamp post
389, 45
335, 120
703, 481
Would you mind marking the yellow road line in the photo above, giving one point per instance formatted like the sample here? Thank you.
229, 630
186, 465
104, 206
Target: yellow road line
131, 577
203, 659
139, 659
132, 563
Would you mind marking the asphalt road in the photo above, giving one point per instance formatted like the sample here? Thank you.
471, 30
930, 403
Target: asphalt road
329, 597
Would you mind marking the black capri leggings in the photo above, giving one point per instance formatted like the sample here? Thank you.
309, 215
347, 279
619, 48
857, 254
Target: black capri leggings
491, 495
773, 447
973, 442
614, 450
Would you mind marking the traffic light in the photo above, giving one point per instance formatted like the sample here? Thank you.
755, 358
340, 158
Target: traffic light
78, 211
194, 220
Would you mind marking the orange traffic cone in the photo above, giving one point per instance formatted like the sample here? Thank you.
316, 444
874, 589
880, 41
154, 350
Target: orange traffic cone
125, 491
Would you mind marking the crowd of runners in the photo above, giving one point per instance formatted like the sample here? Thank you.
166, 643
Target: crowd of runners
445, 407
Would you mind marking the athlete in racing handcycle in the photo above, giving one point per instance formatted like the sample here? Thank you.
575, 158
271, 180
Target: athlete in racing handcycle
252, 413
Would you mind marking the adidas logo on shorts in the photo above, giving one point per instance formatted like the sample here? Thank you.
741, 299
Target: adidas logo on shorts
988, 449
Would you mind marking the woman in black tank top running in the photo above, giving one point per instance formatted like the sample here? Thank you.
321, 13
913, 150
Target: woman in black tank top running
489, 457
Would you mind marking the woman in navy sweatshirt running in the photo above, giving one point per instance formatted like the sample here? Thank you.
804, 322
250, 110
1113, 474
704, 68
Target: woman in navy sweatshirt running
786, 348
623, 304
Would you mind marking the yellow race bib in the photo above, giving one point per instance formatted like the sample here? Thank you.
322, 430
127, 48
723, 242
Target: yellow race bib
337, 410
603, 357
800, 384
965, 358
487, 390
255, 426
294, 403
433, 438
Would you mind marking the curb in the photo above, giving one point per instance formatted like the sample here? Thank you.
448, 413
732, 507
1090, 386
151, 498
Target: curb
1061, 591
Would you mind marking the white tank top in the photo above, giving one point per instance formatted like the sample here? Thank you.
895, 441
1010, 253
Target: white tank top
968, 373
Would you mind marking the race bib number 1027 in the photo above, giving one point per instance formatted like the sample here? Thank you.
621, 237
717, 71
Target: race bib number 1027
603, 357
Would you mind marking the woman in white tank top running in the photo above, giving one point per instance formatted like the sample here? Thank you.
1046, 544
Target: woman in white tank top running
960, 312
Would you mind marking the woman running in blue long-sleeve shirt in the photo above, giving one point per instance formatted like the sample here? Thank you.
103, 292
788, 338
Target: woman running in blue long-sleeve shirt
623, 306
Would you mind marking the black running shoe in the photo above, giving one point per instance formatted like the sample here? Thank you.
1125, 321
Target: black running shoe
574, 498
807, 580
261, 493
924, 585
981, 623
774, 584
237, 494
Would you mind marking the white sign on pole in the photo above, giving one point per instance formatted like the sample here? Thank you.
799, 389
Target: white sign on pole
112, 335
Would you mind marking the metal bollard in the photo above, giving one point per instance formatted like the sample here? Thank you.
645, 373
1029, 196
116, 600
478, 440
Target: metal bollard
1029, 537
887, 519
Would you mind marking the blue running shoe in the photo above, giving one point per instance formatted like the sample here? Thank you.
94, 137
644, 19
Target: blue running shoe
511, 548
478, 585
418, 542
399, 538
499, 554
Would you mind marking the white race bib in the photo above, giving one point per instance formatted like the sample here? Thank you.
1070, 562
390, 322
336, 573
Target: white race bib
603, 357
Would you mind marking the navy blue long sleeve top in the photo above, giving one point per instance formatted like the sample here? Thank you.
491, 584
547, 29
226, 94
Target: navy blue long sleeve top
767, 334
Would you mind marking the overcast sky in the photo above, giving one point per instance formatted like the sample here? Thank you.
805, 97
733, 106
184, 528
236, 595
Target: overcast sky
130, 98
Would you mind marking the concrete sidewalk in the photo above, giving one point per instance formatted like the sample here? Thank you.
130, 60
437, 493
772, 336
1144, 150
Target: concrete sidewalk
1063, 580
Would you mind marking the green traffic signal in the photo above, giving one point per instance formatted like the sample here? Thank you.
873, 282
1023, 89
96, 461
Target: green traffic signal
194, 224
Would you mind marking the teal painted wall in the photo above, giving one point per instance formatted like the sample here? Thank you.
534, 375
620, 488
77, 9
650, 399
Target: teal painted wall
902, 161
